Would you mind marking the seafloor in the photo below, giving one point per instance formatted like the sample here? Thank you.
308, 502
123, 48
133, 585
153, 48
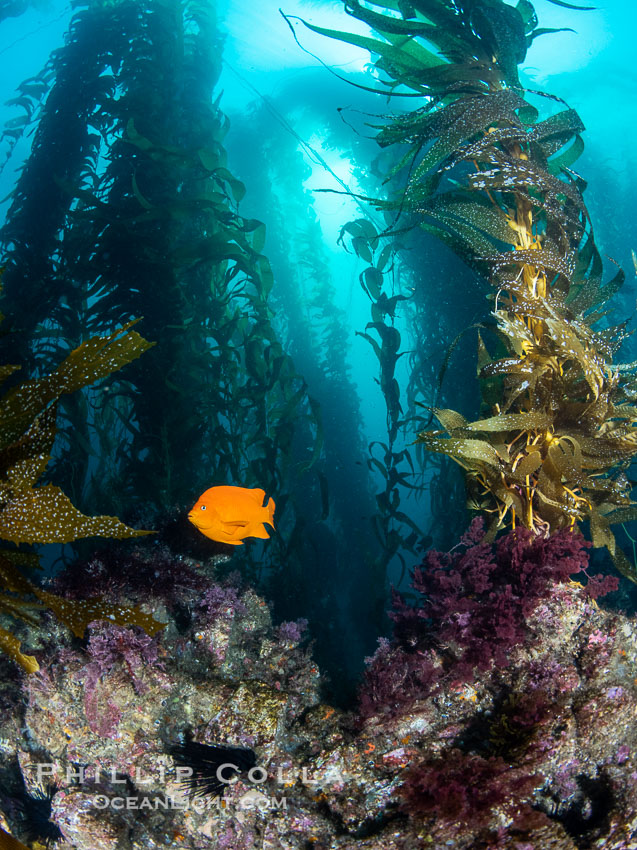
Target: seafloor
530, 751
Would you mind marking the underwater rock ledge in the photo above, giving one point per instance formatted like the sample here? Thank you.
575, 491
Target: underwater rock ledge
539, 753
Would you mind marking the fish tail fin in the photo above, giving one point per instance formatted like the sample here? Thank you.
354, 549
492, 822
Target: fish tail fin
270, 508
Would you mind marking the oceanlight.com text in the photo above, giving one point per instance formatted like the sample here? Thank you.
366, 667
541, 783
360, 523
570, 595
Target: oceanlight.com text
249, 801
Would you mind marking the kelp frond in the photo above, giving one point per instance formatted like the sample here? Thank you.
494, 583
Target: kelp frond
554, 451
36, 515
483, 172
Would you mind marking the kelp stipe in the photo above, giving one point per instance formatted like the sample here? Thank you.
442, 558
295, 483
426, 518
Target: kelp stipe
491, 179
143, 220
31, 514
324, 575
394, 530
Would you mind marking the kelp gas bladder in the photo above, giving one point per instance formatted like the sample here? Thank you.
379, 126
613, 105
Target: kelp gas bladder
491, 177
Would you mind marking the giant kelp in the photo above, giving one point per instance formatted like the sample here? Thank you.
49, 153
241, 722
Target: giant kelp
323, 575
491, 176
142, 219
394, 529
32, 514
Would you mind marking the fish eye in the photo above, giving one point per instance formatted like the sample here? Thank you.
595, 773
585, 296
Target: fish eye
203, 507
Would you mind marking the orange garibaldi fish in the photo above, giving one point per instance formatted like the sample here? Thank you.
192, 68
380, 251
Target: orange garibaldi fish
230, 514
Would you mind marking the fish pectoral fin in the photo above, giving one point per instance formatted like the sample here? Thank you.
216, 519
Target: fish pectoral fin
238, 523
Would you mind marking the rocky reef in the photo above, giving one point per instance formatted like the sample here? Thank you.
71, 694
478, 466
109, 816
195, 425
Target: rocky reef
501, 714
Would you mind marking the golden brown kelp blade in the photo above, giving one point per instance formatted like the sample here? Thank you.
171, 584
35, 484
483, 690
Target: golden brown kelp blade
46, 515
8, 842
10, 645
37, 515
93, 360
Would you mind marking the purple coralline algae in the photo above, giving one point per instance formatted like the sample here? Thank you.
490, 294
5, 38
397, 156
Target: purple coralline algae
499, 714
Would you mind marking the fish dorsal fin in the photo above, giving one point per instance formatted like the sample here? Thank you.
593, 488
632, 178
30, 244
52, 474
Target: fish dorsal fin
258, 495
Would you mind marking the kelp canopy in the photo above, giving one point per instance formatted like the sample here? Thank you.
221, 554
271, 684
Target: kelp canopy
485, 171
